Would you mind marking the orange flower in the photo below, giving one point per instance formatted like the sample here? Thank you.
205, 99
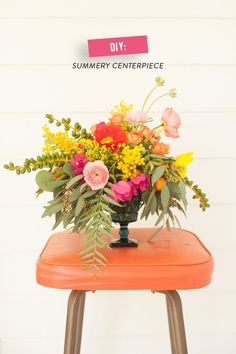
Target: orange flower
134, 137
159, 184
147, 132
160, 148
117, 118
93, 128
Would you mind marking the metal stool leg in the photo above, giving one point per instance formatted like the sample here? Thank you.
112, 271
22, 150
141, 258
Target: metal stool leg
74, 322
176, 322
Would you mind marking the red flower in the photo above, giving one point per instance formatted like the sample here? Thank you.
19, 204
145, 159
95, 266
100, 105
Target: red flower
109, 135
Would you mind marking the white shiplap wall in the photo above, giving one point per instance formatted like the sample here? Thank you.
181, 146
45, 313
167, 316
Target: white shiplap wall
38, 43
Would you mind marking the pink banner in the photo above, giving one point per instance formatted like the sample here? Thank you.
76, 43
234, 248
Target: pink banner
117, 46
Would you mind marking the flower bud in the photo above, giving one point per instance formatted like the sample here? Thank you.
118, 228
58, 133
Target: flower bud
173, 92
160, 81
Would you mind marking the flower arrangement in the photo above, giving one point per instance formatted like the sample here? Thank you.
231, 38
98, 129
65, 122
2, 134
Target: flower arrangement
91, 174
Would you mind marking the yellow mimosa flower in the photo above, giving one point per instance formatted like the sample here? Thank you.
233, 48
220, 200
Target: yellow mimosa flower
182, 161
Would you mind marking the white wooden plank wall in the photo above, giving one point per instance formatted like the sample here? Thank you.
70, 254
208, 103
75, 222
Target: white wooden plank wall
39, 41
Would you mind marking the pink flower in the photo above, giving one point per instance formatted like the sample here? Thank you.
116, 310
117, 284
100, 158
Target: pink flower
123, 190
96, 174
137, 117
171, 122
78, 162
140, 182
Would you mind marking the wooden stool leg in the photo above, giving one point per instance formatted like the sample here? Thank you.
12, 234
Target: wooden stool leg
176, 321
74, 322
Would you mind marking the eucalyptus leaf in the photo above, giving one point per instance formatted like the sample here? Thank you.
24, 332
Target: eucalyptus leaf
161, 216
111, 201
89, 194
68, 169
54, 184
165, 196
79, 206
74, 180
155, 233
58, 221
183, 193
42, 179
52, 209
157, 173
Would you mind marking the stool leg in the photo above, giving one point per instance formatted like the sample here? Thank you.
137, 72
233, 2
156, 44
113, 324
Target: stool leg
176, 322
74, 322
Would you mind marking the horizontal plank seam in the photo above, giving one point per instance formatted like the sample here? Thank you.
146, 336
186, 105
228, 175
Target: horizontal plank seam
122, 18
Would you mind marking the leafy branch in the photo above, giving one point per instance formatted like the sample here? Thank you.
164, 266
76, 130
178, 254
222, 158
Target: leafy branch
77, 131
198, 194
43, 161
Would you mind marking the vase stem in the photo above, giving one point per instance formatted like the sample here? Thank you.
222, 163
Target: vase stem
124, 231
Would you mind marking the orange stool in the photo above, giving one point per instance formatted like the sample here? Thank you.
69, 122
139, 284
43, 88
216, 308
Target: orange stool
174, 260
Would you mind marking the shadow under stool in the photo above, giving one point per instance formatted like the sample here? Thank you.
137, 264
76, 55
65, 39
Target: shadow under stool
174, 260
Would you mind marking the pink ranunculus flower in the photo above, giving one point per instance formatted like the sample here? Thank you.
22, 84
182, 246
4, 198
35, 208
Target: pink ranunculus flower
140, 182
137, 117
123, 190
171, 122
78, 162
96, 174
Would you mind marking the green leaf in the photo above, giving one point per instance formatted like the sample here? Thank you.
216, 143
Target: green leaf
75, 194
153, 204
155, 233
42, 179
157, 173
68, 169
174, 188
89, 194
111, 201
177, 220
101, 255
106, 207
159, 157
165, 196
183, 193
54, 184
79, 206
73, 181
52, 209
161, 216
58, 221
108, 191
168, 225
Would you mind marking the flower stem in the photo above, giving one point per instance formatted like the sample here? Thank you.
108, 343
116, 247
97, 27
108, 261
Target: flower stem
148, 96
153, 102
158, 126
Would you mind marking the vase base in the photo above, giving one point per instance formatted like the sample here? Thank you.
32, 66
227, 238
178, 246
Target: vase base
124, 243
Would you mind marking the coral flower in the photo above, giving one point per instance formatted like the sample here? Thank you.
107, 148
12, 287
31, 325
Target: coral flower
171, 122
182, 162
109, 134
117, 118
123, 190
134, 137
160, 148
159, 184
141, 182
137, 117
147, 132
78, 162
96, 174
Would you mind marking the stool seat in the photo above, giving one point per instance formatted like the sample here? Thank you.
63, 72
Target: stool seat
174, 259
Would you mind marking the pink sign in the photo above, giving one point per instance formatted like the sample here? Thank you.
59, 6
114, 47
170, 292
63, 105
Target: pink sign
117, 46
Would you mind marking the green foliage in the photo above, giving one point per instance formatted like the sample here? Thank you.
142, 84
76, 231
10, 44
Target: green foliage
43, 161
46, 182
158, 173
76, 129
198, 194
